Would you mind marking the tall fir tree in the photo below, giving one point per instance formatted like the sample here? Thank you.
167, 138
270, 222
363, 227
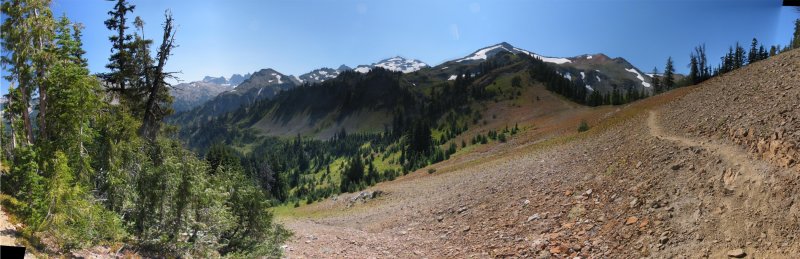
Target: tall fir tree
669, 73
753, 55
739, 56
27, 31
704, 72
694, 76
656, 81
120, 62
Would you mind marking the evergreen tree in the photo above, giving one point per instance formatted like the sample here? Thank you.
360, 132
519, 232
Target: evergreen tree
669, 71
120, 62
656, 81
74, 92
753, 55
728, 61
26, 32
693, 70
738, 57
704, 72
762, 53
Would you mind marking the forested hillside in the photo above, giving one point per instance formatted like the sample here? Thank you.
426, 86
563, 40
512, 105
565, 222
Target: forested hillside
93, 167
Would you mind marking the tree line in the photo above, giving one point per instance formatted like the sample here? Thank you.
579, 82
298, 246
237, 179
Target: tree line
736, 57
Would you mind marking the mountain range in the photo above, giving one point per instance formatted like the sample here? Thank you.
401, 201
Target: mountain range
190, 95
594, 72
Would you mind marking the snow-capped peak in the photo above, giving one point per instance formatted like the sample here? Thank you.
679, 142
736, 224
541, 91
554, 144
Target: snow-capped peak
319, 75
397, 64
484, 53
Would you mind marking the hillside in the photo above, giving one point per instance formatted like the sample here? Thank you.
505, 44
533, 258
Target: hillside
691, 173
590, 79
595, 72
320, 114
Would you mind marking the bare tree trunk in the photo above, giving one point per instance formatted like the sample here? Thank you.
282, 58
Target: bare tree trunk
40, 69
26, 116
11, 121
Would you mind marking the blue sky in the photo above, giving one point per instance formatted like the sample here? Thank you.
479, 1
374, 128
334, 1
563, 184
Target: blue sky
240, 36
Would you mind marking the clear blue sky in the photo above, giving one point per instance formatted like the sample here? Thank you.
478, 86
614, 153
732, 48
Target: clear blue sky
225, 37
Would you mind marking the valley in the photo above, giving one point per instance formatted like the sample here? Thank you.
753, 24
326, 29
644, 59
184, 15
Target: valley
658, 191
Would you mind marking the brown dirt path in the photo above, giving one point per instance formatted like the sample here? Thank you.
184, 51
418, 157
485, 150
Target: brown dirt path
731, 155
7, 231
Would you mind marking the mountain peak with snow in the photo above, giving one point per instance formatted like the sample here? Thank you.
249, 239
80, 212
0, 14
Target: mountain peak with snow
397, 64
488, 52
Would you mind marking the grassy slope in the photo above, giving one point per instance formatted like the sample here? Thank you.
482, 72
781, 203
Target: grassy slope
547, 123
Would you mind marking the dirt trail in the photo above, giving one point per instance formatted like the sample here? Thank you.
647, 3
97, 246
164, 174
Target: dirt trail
741, 178
7, 231
731, 155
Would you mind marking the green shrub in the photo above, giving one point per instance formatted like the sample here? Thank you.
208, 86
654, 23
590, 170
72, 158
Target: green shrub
75, 220
583, 126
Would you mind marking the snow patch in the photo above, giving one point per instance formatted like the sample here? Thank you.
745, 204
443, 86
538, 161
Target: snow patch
543, 58
589, 57
583, 76
639, 76
598, 79
589, 87
452, 77
259, 91
480, 54
568, 76
362, 70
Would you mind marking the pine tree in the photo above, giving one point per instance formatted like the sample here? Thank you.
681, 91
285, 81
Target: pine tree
753, 55
669, 71
120, 62
656, 81
42, 27
704, 72
762, 53
693, 70
75, 100
728, 61
22, 41
738, 57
